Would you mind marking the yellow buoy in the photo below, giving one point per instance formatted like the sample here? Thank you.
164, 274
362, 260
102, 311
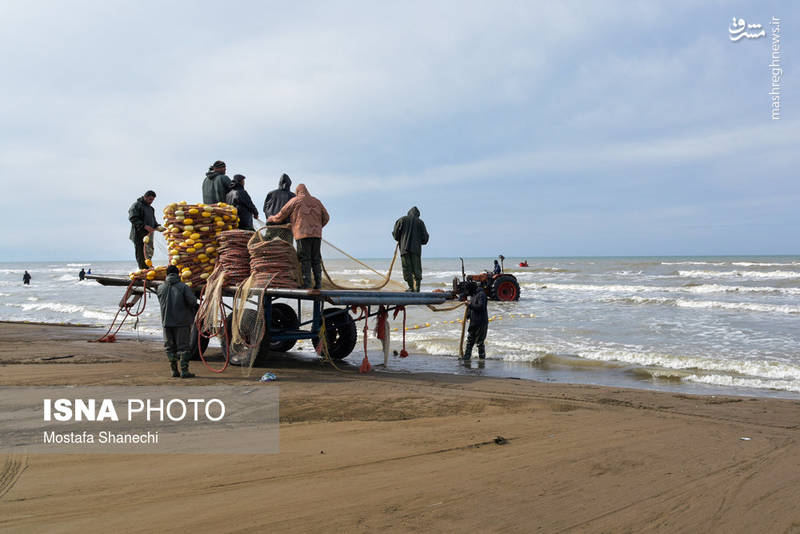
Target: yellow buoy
187, 220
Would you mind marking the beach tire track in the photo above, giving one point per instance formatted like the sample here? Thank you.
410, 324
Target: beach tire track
13, 468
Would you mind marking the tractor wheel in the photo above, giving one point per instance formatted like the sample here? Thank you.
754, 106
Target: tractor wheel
341, 331
505, 288
193, 343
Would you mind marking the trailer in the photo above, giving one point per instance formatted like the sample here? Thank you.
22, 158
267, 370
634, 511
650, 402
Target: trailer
284, 325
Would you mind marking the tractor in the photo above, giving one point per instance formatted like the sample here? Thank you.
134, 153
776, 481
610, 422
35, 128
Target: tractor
503, 286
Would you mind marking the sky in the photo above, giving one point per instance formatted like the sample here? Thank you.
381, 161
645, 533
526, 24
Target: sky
518, 128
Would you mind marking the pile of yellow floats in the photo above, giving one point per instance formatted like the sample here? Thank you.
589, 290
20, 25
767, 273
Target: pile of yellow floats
191, 234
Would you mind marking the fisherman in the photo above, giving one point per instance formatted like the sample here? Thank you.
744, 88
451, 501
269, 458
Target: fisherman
275, 201
410, 232
82, 275
26, 278
216, 184
478, 321
240, 199
308, 216
497, 268
178, 307
143, 223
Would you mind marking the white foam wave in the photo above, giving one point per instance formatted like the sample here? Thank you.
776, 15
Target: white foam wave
762, 369
701, 289
691, 263
739, 306
756, 264
740, 274
50, 306
5, 294
754, 383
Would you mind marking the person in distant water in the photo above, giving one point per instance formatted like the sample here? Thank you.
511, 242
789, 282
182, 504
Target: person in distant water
410, 232
178, 307
143, 223
216, 184
478, 322
26, 278
497, 268
240, 199
308, 216
89, 271
82, 275
275, 201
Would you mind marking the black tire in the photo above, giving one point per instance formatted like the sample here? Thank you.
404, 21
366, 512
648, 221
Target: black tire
342, 334
505, 288
283, 318
193, 343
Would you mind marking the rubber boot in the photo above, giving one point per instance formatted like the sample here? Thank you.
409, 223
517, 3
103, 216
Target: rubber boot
185, 357
305, 267
482, 352
173, 364
417, 284
317, 276
467, 352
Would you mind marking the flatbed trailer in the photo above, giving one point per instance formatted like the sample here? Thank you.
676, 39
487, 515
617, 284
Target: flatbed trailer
285, 327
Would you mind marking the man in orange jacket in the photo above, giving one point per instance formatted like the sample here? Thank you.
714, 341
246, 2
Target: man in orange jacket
308, 216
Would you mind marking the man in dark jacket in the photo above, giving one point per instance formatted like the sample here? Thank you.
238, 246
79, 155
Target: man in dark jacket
178, 306
273, 204
411, 234
216, 184
240, 199
143, 222
26, 278
478, 322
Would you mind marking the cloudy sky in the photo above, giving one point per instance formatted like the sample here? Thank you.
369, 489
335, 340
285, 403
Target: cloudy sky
521, 128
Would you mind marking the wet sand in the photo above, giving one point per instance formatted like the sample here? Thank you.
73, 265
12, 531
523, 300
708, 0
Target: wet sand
413, 453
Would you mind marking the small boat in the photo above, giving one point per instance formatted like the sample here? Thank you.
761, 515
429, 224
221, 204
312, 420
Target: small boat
523, 263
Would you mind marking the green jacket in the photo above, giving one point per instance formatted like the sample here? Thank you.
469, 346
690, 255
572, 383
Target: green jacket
178, 303
411, 233
215, 187
140, 214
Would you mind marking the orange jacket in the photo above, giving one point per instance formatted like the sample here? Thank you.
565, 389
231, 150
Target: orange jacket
306, 213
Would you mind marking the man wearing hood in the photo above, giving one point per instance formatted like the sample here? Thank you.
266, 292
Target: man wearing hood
143, 222
240, 199
308, 216
273, 204
216, 184
178, 306
410, 232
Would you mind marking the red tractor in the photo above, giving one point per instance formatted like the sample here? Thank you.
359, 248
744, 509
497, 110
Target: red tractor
503, 286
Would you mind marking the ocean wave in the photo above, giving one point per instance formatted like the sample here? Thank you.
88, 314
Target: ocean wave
687, 288
761, 369
756, 264
692, 263
738, 306
740, 274
50, 306
751, 383
5, 294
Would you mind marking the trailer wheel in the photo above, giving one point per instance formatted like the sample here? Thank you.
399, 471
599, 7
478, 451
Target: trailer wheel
283, 318
341, 331
505, 288
193, 343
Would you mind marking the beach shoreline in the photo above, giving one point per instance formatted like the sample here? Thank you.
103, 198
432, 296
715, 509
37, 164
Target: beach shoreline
407, 452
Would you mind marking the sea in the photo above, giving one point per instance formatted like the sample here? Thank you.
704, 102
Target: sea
704, 325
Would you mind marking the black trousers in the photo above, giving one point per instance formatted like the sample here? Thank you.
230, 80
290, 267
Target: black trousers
476, 335
310, 258
176, 339
138, 245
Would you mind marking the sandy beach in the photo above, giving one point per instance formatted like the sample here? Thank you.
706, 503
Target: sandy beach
406, 452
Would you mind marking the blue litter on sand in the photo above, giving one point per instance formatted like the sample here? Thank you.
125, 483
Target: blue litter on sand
268, 377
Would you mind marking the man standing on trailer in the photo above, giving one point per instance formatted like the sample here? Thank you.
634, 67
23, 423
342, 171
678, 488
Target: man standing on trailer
308, 216
143, 223
216, 184
239, 198
410, 232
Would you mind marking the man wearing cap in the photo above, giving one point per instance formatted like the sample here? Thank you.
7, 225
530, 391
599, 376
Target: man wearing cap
216, 184
239, 198
143, 222
178, 307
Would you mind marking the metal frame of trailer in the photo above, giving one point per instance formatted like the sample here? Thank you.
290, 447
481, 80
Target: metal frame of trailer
390, 300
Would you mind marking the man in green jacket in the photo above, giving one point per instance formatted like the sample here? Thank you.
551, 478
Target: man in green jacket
143, 222
216, 184
411, 234
178, 306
